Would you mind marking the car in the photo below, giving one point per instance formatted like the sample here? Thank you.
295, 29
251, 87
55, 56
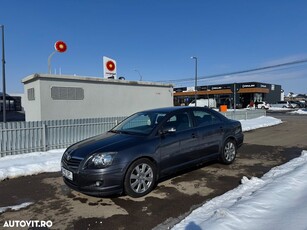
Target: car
296, 104
210, 102
283, 104
130, 158
262, 105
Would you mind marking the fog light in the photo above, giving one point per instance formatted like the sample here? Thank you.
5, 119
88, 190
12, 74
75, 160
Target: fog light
98, 183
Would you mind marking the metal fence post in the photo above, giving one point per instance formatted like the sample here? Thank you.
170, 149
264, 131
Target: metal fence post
44, 137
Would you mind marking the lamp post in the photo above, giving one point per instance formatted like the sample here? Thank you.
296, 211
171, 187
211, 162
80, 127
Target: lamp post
3, 77
195, 89
141, 78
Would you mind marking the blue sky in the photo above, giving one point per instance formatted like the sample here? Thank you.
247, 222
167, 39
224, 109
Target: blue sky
157, 38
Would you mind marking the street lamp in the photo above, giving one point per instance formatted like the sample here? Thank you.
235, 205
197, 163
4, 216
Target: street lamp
195, 94
141, 78
3, 76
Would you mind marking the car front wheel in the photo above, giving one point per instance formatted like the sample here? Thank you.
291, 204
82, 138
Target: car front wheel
229, 152
140, 178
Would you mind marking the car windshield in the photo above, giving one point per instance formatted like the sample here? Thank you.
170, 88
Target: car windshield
139, 123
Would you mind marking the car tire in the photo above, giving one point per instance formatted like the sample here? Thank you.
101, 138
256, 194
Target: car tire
229, 152
140, 178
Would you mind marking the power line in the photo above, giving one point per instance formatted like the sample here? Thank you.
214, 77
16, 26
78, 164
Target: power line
242, 71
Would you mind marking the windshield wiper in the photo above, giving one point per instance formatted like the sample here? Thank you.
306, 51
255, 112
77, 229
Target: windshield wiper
120, 131
114, 131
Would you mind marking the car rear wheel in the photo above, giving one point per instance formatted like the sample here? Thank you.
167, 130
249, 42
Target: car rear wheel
229, 152
140, 178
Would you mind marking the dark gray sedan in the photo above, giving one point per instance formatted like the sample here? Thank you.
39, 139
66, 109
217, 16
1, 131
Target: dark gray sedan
131, 157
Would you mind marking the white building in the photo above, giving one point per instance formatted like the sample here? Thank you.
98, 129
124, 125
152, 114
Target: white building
56, 97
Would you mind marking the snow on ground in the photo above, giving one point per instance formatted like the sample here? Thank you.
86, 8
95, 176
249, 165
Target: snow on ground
289, 110
275, 201
15, 207
300, 111
279, 109
30, 164
278, 200
259, 122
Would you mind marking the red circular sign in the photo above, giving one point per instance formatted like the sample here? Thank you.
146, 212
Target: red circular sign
60, 46
110, 65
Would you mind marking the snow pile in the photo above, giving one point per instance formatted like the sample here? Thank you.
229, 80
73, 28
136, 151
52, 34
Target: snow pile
300, 111
279, 109
259, 122
30, 164
276, 201
15, 207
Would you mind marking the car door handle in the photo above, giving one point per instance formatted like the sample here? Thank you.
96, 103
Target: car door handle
194, 135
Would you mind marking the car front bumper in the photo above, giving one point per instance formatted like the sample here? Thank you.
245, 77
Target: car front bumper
95, 182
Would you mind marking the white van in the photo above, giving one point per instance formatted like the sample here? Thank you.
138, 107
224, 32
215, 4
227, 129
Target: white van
210, 102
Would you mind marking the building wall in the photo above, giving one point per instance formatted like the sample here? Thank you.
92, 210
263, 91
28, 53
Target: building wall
91, 97
224, 94
275, 94
32, 107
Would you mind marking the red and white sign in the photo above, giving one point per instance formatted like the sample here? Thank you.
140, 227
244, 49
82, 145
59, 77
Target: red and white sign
60, 46
109, 68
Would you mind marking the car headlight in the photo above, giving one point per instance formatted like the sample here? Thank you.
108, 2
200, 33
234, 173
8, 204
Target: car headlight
101, 160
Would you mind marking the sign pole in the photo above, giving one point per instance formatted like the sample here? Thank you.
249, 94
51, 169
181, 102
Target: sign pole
60, 47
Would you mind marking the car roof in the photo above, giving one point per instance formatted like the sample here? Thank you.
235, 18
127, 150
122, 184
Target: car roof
174, 109
167, 109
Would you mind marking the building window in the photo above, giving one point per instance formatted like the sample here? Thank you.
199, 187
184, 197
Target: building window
67, 93
31, 95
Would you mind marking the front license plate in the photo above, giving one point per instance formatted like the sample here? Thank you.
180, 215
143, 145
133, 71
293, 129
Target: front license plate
66, 173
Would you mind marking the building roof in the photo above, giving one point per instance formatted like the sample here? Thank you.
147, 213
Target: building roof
97, 80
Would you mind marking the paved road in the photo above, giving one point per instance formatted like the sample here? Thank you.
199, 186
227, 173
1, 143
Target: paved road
292, 133
173, 198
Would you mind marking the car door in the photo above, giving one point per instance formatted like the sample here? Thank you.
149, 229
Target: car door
177, 145
210, 132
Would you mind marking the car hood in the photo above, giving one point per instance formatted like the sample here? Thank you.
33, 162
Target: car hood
107, 142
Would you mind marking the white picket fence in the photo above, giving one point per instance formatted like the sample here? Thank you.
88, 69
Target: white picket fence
25, 137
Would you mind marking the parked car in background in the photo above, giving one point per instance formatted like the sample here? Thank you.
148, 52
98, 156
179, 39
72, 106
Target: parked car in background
304, 104
210, 103
282, 104
262, 105
135, 154
296, 104
258, 105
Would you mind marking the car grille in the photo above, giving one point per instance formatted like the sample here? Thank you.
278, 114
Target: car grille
72, 163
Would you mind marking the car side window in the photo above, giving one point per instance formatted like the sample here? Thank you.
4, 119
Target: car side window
203, 118
180, 121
